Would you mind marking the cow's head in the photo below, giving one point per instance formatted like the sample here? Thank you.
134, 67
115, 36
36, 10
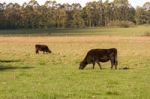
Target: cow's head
82, 65
49, 51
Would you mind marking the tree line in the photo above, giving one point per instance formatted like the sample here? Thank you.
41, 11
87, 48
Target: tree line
53, 14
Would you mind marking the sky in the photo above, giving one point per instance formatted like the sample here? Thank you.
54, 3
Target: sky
134, 3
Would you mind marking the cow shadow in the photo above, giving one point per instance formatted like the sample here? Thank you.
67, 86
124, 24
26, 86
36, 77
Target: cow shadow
104, 68
6, 67
9, 61
125, 68
2, 68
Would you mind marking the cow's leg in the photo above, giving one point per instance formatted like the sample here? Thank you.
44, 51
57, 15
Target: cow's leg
112, 63
37, 51
99, 65
116, 63
93, 64
115, 66
47, 52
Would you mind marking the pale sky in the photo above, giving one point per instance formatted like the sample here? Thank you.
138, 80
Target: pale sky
82, 2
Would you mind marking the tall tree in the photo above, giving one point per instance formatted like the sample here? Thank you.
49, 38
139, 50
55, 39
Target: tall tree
121, 9
143, 14
2, 16
77, 20
60, 16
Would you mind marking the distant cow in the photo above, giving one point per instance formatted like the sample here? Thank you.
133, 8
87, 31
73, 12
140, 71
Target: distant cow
100, 55
43, 48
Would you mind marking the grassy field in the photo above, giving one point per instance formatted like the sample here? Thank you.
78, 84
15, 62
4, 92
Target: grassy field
132, 31
25, 75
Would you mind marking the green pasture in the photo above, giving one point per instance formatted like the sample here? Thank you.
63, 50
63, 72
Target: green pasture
26, 75
132, 31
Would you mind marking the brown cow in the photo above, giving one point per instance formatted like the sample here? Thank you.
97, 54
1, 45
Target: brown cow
100, 55
43, 48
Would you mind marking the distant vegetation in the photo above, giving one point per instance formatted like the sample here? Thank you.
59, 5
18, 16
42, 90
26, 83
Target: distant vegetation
54, 15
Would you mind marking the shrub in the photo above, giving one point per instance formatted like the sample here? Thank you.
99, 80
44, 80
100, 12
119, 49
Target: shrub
124, 24
147, 34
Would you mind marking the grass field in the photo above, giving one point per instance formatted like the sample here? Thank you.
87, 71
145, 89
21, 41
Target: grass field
132, 31
25, 75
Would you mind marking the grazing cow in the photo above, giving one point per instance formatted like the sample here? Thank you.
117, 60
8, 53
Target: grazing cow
43, 48
100, 55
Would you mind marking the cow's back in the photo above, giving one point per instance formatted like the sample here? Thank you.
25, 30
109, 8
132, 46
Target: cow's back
102, 55
97, 52
40, 47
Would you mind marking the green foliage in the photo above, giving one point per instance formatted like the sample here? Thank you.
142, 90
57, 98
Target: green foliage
143, 13
55, 15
